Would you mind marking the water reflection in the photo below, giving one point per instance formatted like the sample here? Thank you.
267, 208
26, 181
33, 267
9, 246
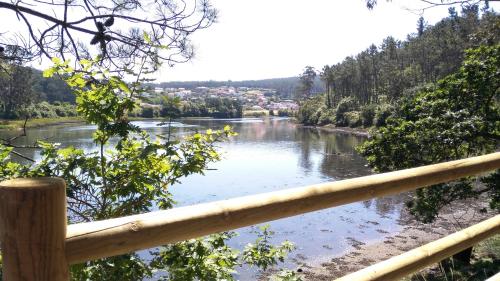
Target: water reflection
267, 155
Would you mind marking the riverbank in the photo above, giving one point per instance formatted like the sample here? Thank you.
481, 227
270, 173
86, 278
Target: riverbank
363, 132
413, 235
39, 122
42, 122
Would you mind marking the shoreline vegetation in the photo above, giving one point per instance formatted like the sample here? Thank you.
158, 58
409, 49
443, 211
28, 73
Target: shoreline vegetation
38, 122
362, 132
43, 122
426, 99
368, 88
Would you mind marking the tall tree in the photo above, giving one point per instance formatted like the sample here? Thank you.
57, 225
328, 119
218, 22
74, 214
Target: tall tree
326, 77
420, 26
16, 94
306, 82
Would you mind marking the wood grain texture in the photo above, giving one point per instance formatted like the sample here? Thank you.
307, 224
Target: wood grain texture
33, 229
421, 257
88, 241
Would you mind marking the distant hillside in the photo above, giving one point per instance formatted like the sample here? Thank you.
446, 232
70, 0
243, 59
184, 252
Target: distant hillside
51, 89
54, 89
285, 87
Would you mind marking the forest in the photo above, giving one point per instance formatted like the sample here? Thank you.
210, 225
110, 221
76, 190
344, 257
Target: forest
431, 98
285, 87
364, 89
50, 97
215, 107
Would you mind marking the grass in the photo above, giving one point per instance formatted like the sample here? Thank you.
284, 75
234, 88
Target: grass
485, 263
255, 113
40, 122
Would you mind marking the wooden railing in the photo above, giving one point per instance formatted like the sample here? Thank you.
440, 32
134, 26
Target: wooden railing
38, 245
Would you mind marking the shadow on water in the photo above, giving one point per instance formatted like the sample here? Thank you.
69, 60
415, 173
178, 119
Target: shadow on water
267, 155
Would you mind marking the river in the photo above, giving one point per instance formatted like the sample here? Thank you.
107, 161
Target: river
267, 155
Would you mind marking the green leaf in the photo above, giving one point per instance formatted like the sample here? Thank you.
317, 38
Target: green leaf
56, 60
123, 86
47, 73
147, 38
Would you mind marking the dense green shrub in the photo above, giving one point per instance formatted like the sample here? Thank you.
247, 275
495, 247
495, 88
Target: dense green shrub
132, 177
149, 112
353, 118
310, 111
327, 116
246, 114
382, 113
212, 107
368, 115
64, 109
455, 118
44, 110
345, 105
285, 112
169, 111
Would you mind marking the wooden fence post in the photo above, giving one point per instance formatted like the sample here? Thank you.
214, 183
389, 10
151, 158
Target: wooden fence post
33, 229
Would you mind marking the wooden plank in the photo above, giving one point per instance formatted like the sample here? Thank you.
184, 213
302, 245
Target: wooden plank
421, 257
87, 241
33, 229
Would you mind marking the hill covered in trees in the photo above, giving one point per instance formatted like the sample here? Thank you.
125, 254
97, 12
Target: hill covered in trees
27, 94
433, 97
285, 87
39, 96
363, 89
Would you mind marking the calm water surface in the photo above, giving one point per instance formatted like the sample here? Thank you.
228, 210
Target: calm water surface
268, 155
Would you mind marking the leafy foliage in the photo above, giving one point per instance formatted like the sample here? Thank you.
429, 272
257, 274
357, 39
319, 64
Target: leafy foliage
198, 259
262, 254
311, 110
306, 82
16, 95
345, 106
383, 74
368, 115
457, 117
130, 172
211, 259
285, 275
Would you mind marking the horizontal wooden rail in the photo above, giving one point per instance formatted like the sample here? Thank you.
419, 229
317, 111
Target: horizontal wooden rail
87, 241
421, 257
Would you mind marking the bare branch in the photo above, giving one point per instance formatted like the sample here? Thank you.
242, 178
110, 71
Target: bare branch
157, 30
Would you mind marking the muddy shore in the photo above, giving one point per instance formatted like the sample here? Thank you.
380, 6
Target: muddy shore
344, 130
414, 234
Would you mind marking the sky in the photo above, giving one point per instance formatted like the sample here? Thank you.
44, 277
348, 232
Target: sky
261, 39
